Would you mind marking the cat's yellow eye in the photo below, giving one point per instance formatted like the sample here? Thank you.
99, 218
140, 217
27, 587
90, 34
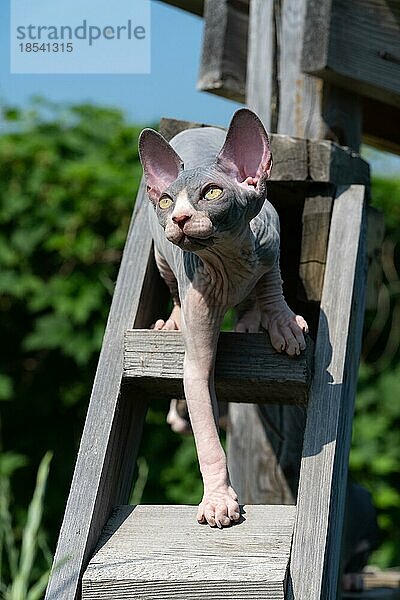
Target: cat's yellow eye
213, 192
165, 202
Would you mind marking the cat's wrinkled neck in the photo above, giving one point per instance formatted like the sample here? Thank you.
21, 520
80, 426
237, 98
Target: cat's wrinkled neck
226, 267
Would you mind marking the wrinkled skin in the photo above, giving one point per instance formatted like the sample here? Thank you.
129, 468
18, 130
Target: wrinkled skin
216, 244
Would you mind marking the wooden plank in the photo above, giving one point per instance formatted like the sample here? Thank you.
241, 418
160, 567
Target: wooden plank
308, 108
247, 368
355, 45
290, 158
296, 159
224, 49
171, 127
334, 164
258, 477
106, 456
314, 564
299, 94
261, 84
160, 552
316, 221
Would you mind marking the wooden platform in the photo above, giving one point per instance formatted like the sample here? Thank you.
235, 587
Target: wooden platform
160, 553
248, 369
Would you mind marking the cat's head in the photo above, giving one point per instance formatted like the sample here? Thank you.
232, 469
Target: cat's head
200, 206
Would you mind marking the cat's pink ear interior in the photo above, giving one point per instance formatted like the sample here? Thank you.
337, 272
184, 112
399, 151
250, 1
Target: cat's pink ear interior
246, 153
161, 164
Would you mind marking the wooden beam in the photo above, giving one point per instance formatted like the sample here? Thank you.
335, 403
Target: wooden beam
355, 45
161, 552
329, 112
224, 49
316, 222
153, 361
258, 477
314, 564
297, 159
261, 84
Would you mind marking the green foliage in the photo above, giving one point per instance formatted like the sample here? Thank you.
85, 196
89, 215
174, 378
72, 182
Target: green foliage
385, 195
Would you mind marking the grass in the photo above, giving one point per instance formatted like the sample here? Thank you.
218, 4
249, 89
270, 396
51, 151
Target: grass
17, 564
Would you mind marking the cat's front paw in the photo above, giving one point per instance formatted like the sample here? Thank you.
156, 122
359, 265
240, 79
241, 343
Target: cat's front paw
286, 330
219, 508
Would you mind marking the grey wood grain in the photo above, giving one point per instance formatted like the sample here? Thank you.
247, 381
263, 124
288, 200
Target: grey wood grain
307, 108
296, 159
106, 456
314, 564
247, 368
332, 163
261, 85
355, 45
224, 48
160, 552
299, 94
254, 469
314, 243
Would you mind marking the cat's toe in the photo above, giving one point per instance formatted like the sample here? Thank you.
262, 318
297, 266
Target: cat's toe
158, 325
302, 323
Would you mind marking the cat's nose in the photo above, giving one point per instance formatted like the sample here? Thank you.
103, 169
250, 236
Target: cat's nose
180, 220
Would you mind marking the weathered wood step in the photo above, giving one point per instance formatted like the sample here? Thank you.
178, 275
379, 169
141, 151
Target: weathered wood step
161, 553
248, 369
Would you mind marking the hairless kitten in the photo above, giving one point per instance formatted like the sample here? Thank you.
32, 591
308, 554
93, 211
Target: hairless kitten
216, 240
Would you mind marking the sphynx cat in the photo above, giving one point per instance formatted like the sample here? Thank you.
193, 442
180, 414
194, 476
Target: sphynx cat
216, 241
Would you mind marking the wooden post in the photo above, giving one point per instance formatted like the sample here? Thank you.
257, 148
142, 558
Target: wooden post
314, 565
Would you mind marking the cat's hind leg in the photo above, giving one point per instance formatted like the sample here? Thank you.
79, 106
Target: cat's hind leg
248, 315
285, 328
177, 416
174, 320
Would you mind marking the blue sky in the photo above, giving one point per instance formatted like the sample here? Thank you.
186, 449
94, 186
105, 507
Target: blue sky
169, 90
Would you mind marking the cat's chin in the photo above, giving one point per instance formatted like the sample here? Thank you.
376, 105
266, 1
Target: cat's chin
193, 244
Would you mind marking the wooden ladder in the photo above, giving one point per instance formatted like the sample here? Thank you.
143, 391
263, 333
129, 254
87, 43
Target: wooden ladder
108, 550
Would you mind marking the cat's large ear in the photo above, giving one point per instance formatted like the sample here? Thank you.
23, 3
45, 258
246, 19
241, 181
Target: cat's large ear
246, 152
161, 164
